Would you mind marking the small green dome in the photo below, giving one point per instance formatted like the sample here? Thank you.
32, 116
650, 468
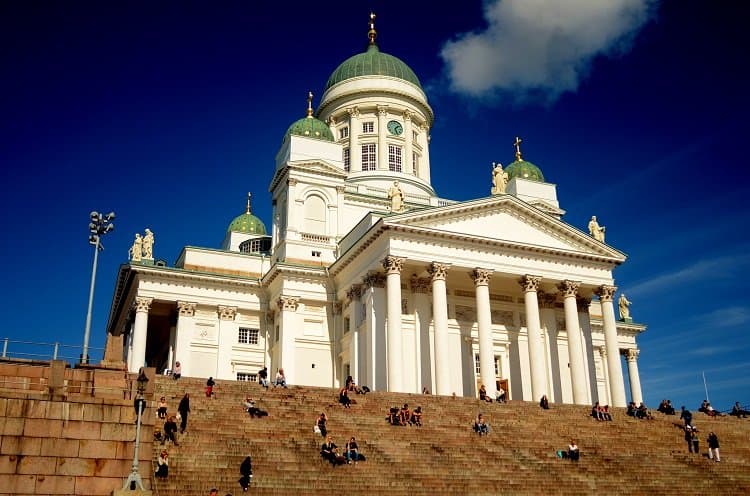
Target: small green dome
372, 63
524, 170
247, 223
311, 128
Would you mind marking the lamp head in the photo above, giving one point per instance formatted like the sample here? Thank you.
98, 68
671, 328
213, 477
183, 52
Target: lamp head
110, 216
94, 215
109, 228
142, 381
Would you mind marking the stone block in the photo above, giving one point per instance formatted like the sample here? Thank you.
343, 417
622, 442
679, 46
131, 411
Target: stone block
112, 468
41, 427
37, 409
92, 413
125, 492
55, 410
118, 432
60, 447
3, 406
10, 445
75, 466
81, 430
19, 484
15, 408
37, 465
55, 484
104, 486
91, 448
30, 446
111, 413
75, 411
8, 464
13, 426
124, 450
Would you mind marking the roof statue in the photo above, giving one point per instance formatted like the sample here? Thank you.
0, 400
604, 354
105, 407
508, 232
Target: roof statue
396, 195
624, 307
148, 245
596, 230
499, 179
136, 251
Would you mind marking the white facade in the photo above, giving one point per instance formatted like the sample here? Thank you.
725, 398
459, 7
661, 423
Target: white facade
444, 295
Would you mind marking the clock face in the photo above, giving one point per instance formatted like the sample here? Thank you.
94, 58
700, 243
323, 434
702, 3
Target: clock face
394, 127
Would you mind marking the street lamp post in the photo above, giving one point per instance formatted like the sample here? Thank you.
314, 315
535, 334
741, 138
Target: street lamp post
98, 227
134, 479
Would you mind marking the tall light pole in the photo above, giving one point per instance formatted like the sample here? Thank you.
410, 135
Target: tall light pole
99, 226
134, 479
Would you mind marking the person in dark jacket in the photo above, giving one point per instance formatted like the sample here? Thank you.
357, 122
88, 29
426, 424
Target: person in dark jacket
246, 470
713, 447
210, 383
162, 465
184, 409
170, 429
687, 416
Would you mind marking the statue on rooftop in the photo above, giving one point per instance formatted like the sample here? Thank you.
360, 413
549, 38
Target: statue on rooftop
136, 251
624, 306
499, 179
148, 245
396, 195
596, 230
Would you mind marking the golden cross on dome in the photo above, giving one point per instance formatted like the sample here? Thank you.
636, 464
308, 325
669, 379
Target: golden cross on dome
309, 104
372, 34
249, 208
517, 144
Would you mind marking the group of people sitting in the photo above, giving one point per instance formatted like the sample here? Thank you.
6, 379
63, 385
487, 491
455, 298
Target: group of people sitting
279, 381
709, 410
329, 451
666, 407
639, 412
600, 412
500, 395
738, 411
481, 426
572, 453
404, 416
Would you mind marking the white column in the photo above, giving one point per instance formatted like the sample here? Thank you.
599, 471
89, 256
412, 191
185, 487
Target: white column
635, 380
484, 323
423, 328
375, 353
352, 297
616, 382
227, 337
292, 216
530, 284
440, 318
382, 145
569, 291
355, 150
288, 327
392, 266
140, 329
408, 147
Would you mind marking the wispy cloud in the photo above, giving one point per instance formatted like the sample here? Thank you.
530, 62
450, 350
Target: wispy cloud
710, 351
716, 268
539, 49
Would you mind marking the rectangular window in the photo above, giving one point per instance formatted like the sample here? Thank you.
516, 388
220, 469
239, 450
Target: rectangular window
368, 157
245, 377
347, 160
368, 127
497, 365
248, 336
414, 162
344, 132
394, 158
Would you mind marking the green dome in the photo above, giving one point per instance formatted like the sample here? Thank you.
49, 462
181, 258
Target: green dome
524, 170
372, 63
247, 223
311, 128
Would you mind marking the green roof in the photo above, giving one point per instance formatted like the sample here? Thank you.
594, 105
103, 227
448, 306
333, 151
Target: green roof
372, 63
524, 170
311, 128
247, 223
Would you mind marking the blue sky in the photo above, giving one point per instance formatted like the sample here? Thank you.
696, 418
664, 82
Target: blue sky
169, 112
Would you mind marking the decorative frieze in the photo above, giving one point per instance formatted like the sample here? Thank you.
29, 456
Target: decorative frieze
568, 288
226, 313
438, 271
374, 280
288, 303
353, 112
142, 304
354, 292
529, 283
393, 265
481, 277
605, 292
186, 308
382, 110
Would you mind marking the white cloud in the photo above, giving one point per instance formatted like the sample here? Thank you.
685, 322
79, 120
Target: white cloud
540, 48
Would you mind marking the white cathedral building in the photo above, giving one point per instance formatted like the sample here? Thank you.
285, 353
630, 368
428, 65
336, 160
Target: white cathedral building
367, 272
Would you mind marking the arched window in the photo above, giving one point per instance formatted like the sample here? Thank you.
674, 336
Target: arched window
315, 215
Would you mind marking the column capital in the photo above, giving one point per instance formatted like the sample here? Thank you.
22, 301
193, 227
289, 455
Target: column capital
603, 351
186, 308
438, 271
419, 284
288, 303
354, 292
583, 304
529, 283
353, 112
605, 292
568, 288
393, 265
338, 306
142, 303
547, 300
374, 280
407, 115
291, 181
382, 110
631, 354
226, 312
481, 277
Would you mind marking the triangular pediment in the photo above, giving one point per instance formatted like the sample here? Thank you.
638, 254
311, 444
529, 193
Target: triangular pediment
505, 219
317, 166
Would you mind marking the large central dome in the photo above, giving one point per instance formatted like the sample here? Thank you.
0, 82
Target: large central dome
373, 63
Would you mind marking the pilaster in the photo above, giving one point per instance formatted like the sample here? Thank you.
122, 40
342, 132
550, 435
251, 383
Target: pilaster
392, 266
481, 279
617, 383
438, 273
141, 305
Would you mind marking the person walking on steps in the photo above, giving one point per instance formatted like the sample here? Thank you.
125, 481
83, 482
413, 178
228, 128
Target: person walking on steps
246, 470
184, 409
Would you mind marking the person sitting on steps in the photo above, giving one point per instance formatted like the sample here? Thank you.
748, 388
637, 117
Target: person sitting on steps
483, 394
252, 410
352, 452
170, 429
280, 379
738, 411
404, 415
344, 397
321, 424
416, 417
162, 465
480, 425
544, 402
162, 408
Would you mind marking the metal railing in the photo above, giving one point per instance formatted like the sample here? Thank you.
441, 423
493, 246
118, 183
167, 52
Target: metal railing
31, 350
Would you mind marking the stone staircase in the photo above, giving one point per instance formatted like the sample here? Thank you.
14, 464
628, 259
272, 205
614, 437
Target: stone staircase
443, 457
